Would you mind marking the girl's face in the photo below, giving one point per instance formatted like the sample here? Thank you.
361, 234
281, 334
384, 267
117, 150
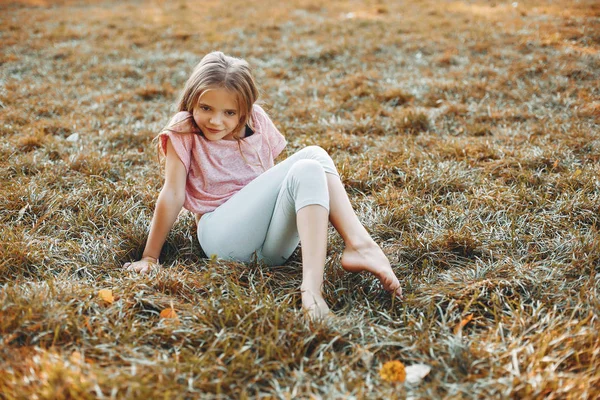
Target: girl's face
217, 114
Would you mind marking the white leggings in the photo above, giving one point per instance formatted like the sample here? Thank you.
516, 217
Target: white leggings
261, 218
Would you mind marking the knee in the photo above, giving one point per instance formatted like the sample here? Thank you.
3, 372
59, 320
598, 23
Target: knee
316, 152
320, 154
307, 184
306, 169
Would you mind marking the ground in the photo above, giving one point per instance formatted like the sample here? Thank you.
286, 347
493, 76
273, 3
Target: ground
467, 136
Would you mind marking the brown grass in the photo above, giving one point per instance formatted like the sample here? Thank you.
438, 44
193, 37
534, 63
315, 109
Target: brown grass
467, 135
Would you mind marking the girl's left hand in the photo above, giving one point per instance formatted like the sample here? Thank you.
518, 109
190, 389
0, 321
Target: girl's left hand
142, 266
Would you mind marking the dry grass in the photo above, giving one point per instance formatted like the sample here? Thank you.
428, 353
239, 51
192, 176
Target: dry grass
467, 134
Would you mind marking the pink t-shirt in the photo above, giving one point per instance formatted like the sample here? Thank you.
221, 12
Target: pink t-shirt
216, 170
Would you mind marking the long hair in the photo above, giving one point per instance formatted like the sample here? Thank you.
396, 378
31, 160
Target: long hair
216, 70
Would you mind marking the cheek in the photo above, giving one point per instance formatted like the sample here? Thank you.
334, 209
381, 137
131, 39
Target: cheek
234, 121
197, 118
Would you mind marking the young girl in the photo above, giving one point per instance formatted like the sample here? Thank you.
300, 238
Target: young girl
220, 149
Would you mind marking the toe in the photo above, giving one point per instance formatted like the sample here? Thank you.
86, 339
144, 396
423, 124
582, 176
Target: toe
399, 291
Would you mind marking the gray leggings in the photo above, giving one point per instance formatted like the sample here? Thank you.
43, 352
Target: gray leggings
261, 218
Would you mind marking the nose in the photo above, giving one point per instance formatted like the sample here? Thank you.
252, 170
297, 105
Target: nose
215, 119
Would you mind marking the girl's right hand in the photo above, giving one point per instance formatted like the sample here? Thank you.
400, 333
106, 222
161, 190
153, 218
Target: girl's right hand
142, 266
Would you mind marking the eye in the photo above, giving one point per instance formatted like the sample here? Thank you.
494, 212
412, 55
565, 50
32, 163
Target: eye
205, 108
231, 113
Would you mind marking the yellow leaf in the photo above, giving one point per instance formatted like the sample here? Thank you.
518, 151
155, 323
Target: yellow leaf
393, 371
76, 357
106, 295
577, 173
168, 313
462, 323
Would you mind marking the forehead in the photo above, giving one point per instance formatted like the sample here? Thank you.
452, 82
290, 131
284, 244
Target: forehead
220, 99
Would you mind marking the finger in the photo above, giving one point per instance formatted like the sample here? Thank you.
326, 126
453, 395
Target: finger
126, 264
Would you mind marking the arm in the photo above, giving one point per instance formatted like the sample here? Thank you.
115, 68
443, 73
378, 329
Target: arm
169, 204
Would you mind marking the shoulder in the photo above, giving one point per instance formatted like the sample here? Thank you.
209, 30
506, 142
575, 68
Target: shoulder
181, 116
181, 132
260, 116
182, 122
258, 109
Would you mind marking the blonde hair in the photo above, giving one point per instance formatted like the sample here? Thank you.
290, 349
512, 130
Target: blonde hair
217, 70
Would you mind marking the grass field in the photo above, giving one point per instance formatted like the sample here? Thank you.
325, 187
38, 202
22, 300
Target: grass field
467, 135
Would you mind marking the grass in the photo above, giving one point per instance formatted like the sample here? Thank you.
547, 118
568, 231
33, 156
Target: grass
467, 135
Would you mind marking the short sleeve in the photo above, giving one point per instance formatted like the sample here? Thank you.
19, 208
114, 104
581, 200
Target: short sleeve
274, 137
180, 133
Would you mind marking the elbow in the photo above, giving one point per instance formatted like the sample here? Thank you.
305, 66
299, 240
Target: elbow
171, 197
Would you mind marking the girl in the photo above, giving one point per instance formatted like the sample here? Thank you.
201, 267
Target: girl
220, 149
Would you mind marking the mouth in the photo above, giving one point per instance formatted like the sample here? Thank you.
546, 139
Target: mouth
213, 130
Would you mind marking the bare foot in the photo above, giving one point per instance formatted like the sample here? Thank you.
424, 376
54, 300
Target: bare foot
314, 304
371, 258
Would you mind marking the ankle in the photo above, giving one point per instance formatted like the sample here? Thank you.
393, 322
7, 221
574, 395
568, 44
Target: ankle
309, 290
359, 243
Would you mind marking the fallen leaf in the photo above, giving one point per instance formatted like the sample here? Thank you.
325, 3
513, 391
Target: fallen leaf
462, 323
416, 372
393, 371
106, 295
168, 313
577, 173
76, 357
